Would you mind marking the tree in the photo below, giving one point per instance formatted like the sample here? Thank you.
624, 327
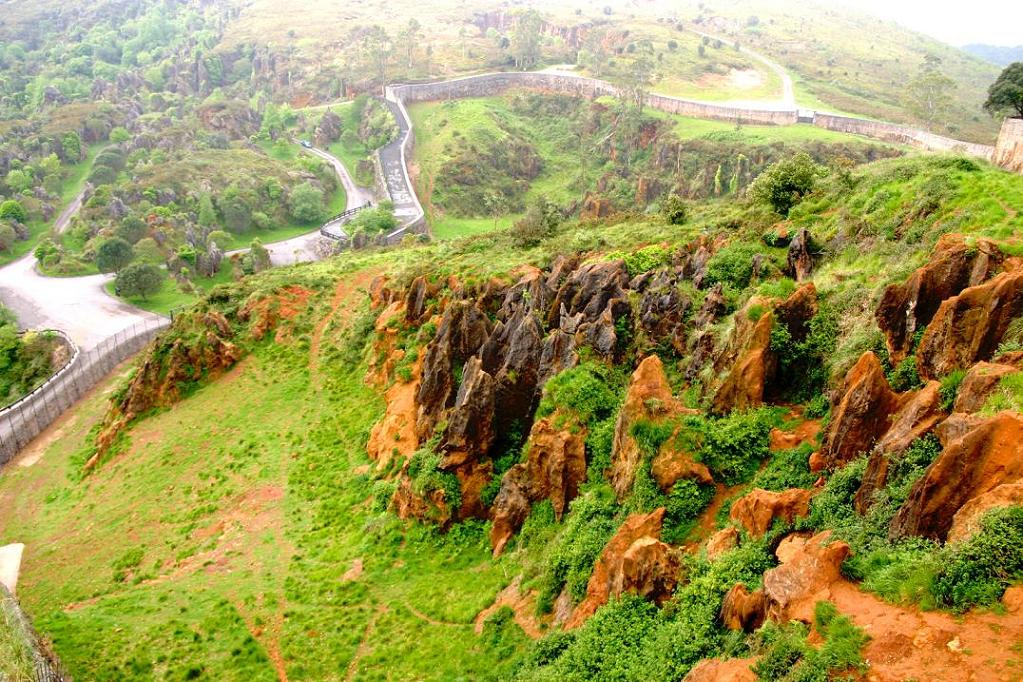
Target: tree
306, 203
525, 40
675, 210
259, 255
784, 183
349, 139
12, 210
207, 213
594, 54
119, 134
1006, 93
376, 48
410, 37
7, 237
541, 220
930, 93
139, 279
132, 229
113, 254
19, 180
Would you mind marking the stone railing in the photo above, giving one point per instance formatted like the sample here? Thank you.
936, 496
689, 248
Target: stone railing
1009, 150
900, 134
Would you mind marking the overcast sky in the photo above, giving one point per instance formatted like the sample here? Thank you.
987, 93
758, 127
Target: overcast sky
998, 22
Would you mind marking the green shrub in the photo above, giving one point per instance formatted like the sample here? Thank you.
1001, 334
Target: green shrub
674, 210
732, 447
905, 376
977, 571
787, 469
587, 390
732, 265
427, 477
784, 183
685, 502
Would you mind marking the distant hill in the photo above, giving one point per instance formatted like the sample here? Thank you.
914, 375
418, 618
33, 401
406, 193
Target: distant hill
996, 54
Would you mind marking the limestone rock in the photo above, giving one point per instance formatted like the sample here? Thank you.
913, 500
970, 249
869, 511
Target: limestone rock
742, 609
757, 510
554, 469
954, 266
919, 414
967, 520
980, 382
722, 541
968, 327
633, 561
978, 456
722, 670
799, 260
744, 386
862, 416
793, 589
648, 398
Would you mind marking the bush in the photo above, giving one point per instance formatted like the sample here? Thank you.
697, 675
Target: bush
587, 390
372, 221
905, 376
950, 384
790, 658
675, 210
12, 210
784, 183
732, 447
7, 237
732, 265
977, 571
540, 222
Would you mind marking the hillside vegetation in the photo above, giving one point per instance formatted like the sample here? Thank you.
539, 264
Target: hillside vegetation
220, 516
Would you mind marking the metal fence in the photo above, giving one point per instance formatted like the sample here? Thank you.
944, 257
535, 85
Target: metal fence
25, 419
46, 667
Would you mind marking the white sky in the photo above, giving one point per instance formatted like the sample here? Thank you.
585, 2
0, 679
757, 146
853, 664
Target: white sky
998, 22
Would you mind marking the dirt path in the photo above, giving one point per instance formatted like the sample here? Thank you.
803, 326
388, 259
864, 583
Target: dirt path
364, 648
10, 565
427, 619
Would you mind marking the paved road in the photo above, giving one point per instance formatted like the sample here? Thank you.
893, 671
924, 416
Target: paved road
392, 164
302, 249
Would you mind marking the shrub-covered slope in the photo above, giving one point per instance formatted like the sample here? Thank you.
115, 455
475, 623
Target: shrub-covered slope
479, 460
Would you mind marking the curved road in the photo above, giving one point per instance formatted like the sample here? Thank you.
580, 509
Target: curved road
302, 249
787, 101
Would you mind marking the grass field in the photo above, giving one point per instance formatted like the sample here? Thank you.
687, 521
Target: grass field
170, 295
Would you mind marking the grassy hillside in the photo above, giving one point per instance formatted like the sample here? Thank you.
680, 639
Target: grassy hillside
478, 163
244, 531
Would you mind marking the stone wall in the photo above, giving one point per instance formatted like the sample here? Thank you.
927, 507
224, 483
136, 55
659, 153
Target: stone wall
900, 134
1009, 149
495, 83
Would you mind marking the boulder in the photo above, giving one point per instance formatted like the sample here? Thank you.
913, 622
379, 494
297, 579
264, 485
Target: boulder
671, 466
863, 414
722, 541
968, 327
663, 309
978, 455
967, 520
512, 355
980, 382
417, 298
757, 510
954, 266
793, 589
470, 431
463, 330
554, 469
742, 609
800, 257
634, 561
919, 414
743, 387
648, 398
714, 306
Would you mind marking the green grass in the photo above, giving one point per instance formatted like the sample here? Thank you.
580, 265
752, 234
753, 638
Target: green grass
170, 295
16, 661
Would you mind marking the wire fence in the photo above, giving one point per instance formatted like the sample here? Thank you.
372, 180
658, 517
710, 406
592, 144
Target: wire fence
26, 418
16, 627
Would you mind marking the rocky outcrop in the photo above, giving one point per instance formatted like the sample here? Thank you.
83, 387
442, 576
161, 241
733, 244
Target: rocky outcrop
663, 310
809, 570
968, 327
979, 383
200, 346
919, 414
910, 306
722, 541
634, 561
591, 303
742, 609
744, 386
758, 509
967, 520
978, 455
751, 378
800, 257
862, 416
554, 469
648, 399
